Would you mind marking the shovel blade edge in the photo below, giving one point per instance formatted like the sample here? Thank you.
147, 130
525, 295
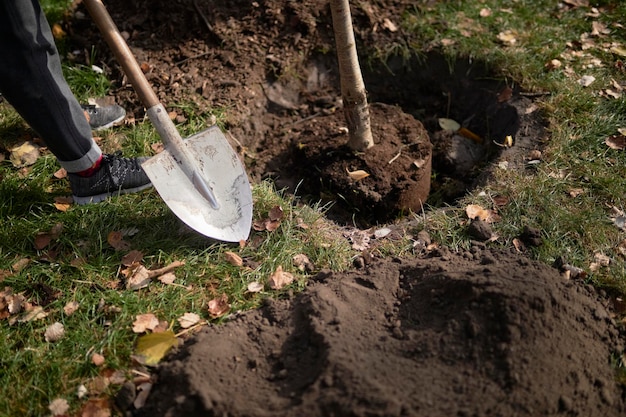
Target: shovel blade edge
218, 164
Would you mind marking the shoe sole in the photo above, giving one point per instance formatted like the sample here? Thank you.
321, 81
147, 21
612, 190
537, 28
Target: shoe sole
101, 197
110, 124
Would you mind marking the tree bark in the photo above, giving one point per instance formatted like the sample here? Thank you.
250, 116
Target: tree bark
354, 95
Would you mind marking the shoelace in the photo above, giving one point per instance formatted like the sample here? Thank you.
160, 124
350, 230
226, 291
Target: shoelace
125, 164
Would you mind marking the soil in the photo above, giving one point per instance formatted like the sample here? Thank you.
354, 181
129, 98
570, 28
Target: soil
475, 333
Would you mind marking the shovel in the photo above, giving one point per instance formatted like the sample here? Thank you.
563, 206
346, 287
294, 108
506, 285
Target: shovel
200, 178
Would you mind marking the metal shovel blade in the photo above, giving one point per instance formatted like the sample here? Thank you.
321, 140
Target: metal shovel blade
221, 169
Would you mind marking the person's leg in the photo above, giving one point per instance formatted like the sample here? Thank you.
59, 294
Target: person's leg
31, 80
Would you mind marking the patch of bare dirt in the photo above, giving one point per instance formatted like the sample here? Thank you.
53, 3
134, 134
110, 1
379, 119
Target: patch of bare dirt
478, 333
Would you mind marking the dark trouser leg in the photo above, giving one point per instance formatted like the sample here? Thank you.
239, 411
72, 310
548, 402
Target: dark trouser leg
31, 80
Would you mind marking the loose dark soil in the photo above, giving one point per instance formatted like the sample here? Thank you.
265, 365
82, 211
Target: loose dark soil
478, 333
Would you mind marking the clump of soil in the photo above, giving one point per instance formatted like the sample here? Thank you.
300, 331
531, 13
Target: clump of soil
398, 167
470, 334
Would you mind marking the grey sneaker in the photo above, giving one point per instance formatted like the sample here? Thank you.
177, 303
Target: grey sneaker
104, 117
117, 175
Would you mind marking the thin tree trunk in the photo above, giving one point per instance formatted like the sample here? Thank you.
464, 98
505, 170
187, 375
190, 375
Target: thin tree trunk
353, 92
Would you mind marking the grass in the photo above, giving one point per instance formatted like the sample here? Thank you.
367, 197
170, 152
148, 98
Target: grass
85, 268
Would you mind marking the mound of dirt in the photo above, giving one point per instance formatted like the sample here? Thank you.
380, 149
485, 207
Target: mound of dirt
479, 333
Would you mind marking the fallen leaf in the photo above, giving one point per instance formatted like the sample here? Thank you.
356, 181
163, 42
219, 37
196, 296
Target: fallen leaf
357, 175
115, 239
474, 211
132, 257
575, 192
617, 142
144, 322
36, 313
57, 32
97, 359
59, 407
389, 25
485, 12
54, 332
25, 154
71, 307
449, 124
233, 259
62, 203
167, 278
20, 264
219, 306
60, 174
508, 37
586, 80
276, 213
188, 319
255, 287
302, 262
96, 407
139, 278
280, 278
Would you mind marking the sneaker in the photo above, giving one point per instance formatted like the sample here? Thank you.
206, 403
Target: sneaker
117, 175
104, 117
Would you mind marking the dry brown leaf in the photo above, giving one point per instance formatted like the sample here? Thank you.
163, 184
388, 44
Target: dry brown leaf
474, 210
138, 276
575, 192
219, 306
62, 203
617, 142
276, 213
508, 37
255, 287
54, 332
132, 257
485, 12
33, 313
20, 264
144, 322
96, 407
60, 174
280, 278
97, 359
357, 175
167, 278
116, 240
233, 259
188, 319
71, 307
302, 262
59, 407
25, 154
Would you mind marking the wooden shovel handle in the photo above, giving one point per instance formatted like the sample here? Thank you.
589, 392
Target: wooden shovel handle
122, 52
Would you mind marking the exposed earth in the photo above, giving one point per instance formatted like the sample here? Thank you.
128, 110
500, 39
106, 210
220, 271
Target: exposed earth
478, 333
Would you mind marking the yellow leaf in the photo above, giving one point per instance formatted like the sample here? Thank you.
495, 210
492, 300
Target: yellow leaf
357, 175
154, 346
25, 154
449, 124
